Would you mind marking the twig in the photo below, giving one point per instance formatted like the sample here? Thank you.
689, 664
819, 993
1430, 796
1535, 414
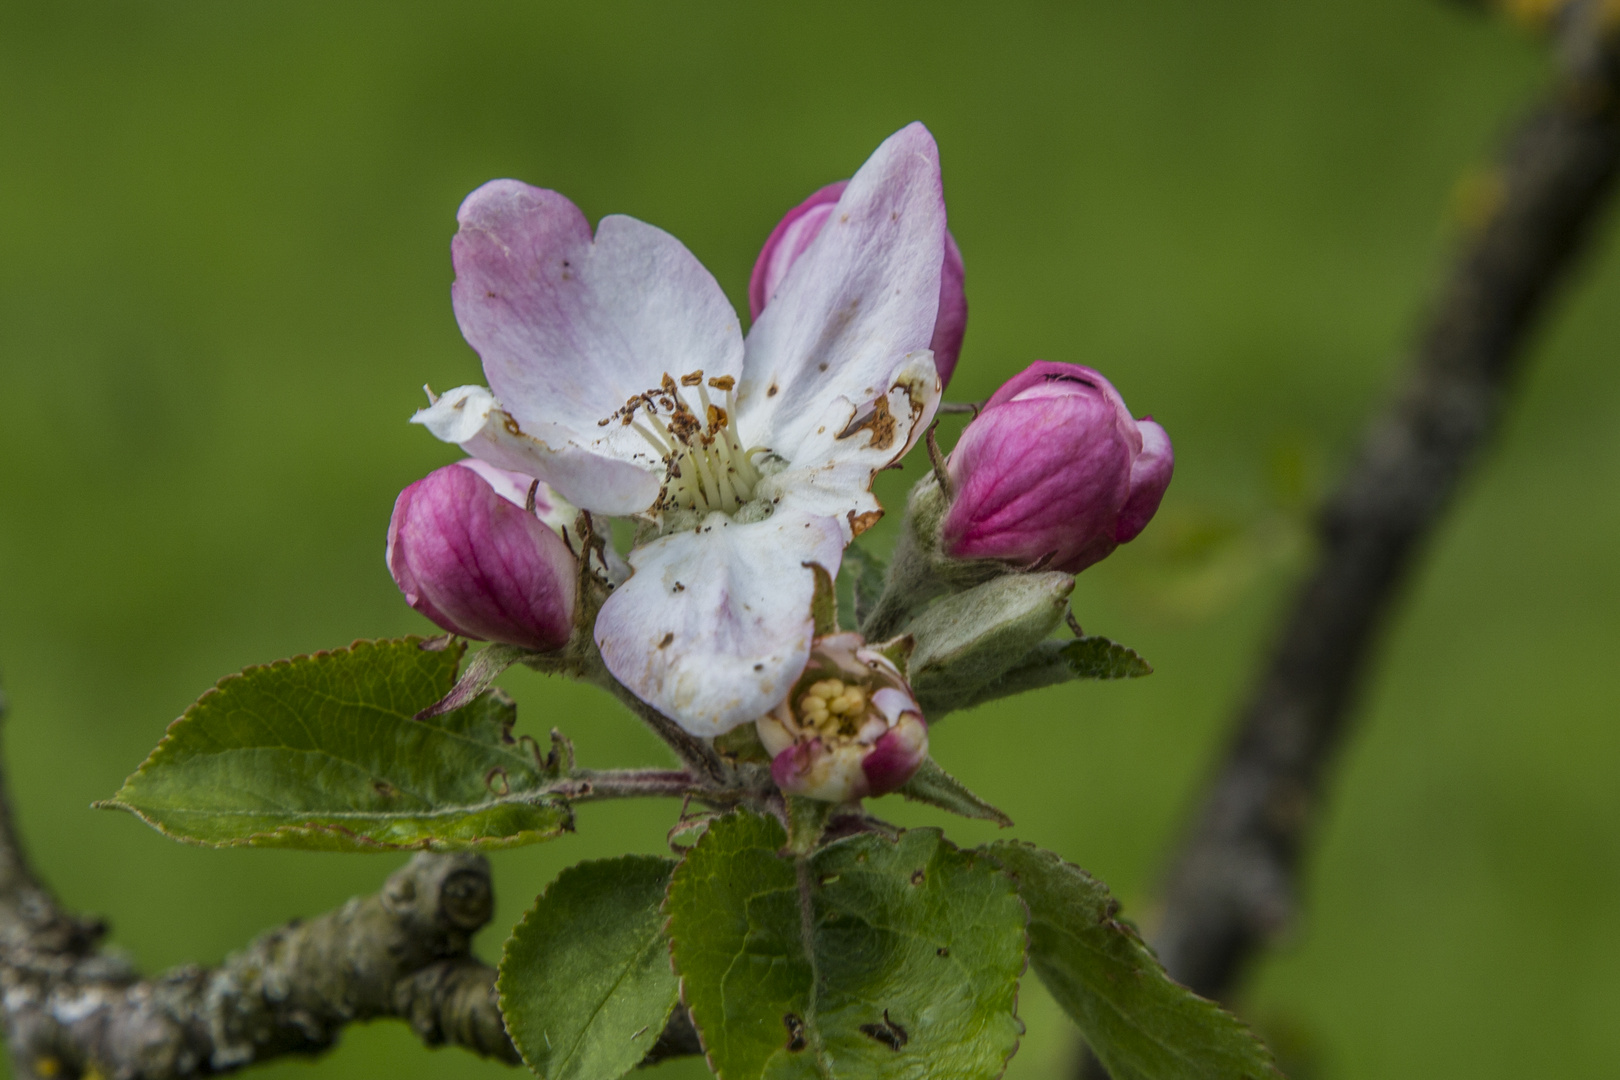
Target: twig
588, 785
1233, 884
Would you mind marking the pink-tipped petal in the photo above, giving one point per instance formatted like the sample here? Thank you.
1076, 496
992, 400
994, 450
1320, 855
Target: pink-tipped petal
1150, 476
787, 242
478, 564
570, 326
950, 325
791, 238
897, 755
858, 301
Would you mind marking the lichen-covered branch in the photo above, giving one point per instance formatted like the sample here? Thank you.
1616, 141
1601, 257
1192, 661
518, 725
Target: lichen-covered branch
402, 953
71, 1011
1233, 884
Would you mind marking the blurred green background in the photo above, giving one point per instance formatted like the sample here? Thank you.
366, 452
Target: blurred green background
224, 276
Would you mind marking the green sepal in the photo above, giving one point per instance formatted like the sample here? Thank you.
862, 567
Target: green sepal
872, 958
860, 584
969, 639
1099, 658
1051, 663
823, 602
1141, 1024
585, 983
933, 785
323, 752
807, 820
741, 744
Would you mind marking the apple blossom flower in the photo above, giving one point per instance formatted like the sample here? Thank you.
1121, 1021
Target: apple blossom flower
619, 375
850, 727
792, 236
1054, 471
467, 553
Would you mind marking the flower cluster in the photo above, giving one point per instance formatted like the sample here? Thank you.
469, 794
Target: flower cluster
620, 385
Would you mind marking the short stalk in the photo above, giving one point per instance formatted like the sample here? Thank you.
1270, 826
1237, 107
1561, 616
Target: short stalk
593, 785
697, 754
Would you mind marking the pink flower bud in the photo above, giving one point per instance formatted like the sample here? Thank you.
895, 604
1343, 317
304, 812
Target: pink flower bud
466, 554
792, 236
1054, 471
850, 728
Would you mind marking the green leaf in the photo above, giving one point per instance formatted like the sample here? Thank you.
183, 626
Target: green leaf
1099, 658
872, 958
585, 982
933, 785
321, 752
1141, 1024
860, 584
1048, 664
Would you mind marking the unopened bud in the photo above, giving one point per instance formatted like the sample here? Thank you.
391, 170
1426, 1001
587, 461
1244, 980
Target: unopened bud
849, 729
803, 223
468, 554
1054, 472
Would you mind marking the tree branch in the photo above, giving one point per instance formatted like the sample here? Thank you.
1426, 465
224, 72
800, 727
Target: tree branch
1233, 885
403, 953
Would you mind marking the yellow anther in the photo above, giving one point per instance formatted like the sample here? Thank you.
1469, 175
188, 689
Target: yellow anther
850, 701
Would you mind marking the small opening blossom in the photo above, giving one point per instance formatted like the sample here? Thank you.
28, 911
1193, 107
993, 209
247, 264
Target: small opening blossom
792, 237
467, 553
1054, 471
618, 374
850, 728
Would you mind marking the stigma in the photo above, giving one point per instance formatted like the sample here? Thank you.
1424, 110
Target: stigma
707, 468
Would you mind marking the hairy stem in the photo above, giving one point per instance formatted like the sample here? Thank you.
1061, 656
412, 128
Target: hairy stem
698, 755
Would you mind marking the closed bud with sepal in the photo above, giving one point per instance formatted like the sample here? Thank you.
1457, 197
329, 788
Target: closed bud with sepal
1054, 473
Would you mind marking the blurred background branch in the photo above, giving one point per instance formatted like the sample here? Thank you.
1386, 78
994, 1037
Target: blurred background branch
1234, 883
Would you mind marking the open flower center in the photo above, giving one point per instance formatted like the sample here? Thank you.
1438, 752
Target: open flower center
707, 466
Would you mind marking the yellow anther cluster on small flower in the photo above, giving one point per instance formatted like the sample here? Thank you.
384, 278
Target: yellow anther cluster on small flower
851, 728
830, 705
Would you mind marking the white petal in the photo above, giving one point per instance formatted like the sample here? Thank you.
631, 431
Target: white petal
861, 297
470, 417
570, 327
846, 447
714, 625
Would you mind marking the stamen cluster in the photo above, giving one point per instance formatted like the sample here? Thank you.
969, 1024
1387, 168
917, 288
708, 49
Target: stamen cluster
707, 466
850, 728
